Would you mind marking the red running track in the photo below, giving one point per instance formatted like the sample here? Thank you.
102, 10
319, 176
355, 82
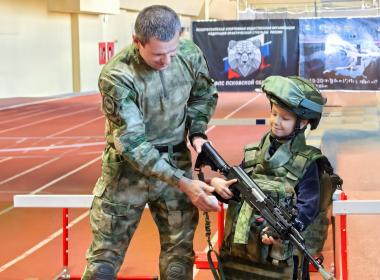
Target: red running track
54, 148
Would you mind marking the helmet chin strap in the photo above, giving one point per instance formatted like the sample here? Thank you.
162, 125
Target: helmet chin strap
296, 130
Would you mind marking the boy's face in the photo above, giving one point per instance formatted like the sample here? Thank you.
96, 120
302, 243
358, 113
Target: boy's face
157, 54
282, 122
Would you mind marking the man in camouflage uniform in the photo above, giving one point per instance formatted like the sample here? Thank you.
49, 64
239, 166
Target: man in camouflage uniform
155, 93
286, 170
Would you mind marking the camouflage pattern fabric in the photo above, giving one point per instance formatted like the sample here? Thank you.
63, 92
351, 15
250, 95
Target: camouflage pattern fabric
277, 175
145, 108
242, 224
316, 233
242, 269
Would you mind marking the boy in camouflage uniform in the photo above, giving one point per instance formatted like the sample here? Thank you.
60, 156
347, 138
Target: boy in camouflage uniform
155, 94
286, 169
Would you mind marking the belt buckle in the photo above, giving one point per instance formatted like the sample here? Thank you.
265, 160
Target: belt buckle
170, 149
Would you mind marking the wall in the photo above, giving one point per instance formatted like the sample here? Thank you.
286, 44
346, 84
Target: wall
119, 29
101, 28
35, 57
90, 33
46, 50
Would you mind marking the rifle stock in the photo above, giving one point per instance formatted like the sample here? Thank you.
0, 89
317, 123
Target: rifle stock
276, 216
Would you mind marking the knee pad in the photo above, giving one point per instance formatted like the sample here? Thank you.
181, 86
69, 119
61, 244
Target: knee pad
176, 271
103, 272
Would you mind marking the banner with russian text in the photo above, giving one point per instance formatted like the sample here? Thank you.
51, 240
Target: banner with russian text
240, 54
341, 53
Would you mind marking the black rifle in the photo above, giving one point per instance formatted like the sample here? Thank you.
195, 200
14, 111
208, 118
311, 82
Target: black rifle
279, 218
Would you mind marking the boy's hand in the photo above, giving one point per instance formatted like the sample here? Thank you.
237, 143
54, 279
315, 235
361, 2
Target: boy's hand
222, 187
268, 237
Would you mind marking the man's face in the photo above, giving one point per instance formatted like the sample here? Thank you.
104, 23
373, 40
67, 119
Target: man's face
157, 54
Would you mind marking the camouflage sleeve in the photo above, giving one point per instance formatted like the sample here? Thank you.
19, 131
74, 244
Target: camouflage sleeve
203, 96
127, 132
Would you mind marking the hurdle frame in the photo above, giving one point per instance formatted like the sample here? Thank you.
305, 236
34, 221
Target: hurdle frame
71, 201
340, 209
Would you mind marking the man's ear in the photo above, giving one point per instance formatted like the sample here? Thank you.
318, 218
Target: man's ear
135, 39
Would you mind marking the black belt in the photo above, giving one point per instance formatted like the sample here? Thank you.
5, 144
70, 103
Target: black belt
175, 148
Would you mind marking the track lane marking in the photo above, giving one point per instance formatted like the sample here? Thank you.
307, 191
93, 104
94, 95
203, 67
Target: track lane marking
68, 96
42, 243
236, 110
6, 210
5, 159
45, 120
54, 235
28, 170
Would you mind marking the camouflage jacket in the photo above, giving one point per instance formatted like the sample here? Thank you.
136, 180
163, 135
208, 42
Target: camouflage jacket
146, 107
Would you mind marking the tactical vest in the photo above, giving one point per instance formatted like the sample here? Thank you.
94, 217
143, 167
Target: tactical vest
277, 176
316, 233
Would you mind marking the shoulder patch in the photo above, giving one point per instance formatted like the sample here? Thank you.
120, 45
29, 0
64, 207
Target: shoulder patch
110, 108
251, 146
250, 154
108, 105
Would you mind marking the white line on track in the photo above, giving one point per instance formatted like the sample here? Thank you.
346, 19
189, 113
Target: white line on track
15, 138
34, 114
41, 244
66, 175
51, 136
6, 210
74, 127
236, 110
20, 115
59, 232
65, 96
51, 147
45, 120
5, 159
29, 170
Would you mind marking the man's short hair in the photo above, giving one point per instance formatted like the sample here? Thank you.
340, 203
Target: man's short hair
157, 21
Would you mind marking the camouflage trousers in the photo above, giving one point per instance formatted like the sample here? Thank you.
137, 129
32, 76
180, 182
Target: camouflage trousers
113, 225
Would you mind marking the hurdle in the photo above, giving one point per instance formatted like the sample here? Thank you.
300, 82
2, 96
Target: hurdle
341, 207
65, 202
84, 201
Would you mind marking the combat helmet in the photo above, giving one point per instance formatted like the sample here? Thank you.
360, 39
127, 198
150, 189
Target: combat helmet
297, 95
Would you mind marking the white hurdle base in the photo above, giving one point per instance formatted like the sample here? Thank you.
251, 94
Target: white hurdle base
340, 207
59, 200
356, 207
53, 201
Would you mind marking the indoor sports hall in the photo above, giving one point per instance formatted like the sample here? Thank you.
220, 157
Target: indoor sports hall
52, 127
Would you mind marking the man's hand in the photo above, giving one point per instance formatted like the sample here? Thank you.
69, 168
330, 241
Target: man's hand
197, 143
198, 192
